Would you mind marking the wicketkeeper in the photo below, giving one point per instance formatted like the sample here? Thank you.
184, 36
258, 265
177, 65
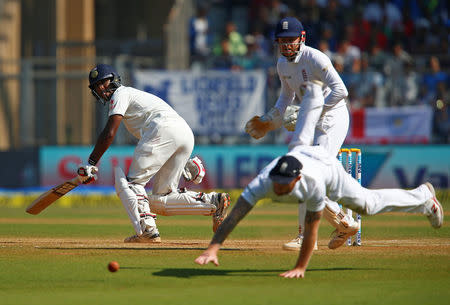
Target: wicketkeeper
312, 175
162, 153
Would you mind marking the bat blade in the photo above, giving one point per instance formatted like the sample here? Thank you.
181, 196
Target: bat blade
46, 199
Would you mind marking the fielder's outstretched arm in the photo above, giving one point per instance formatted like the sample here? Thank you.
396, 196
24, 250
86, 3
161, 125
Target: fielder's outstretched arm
239, 211
312, 221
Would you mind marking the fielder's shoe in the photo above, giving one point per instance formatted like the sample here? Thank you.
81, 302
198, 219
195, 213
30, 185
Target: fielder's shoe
150, 237
435, 213
339, 237
296, 244
222, 203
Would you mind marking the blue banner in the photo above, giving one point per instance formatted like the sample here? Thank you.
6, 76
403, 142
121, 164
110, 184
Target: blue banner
211, 102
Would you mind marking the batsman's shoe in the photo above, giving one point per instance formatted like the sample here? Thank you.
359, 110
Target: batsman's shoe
338, 238
150, 237
222, 203
296, 244
434, 210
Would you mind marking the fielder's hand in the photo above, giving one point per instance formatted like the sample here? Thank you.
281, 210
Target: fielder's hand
294, 273
87, 173
210, 255
206, 258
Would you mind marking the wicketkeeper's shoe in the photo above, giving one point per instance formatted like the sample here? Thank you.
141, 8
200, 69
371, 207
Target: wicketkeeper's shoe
296, 244
338, 238
435, 213
222, 203
150, 237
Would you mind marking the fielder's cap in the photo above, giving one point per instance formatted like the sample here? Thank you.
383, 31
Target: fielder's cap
288, 27
286, 169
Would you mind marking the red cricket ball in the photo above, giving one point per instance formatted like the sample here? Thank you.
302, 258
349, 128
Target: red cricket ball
113, 266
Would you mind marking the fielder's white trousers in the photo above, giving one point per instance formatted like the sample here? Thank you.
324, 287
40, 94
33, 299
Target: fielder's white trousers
364, 201
162, 153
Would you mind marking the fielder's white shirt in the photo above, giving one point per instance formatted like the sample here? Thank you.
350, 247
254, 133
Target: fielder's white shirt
311, 188
310, 66
141, 111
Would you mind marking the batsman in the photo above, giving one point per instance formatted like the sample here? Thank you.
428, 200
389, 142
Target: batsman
163, 153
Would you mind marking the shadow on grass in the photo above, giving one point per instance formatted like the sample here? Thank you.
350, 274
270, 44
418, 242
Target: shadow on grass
192, 272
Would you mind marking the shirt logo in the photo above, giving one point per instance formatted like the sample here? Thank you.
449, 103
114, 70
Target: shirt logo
305, 76
285, 25
111, 104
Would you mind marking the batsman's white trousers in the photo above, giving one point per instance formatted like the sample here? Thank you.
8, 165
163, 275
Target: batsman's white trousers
162, 153
329, 132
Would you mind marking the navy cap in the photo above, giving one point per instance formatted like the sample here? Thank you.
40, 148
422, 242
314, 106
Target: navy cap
286, 169
289, 27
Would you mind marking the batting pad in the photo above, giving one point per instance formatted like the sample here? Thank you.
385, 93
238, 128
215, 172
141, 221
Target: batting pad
183, 203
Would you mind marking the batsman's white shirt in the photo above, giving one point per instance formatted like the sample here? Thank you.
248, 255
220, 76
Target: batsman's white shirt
165, 139
323, 176
141, 111
323, 117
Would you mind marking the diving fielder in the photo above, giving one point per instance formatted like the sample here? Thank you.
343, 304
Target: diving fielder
163, 151
313, 175
307, 75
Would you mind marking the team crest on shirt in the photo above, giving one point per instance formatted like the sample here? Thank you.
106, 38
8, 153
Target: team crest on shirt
305, 76
111, 105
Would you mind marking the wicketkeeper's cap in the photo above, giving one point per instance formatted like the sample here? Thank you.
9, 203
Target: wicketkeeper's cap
289, 27
287, 169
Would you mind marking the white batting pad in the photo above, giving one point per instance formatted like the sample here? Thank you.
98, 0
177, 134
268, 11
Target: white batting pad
128, 198
182, 203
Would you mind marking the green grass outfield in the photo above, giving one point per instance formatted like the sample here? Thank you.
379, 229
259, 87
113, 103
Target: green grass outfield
60, 257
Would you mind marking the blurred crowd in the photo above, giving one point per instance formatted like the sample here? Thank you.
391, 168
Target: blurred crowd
388, 53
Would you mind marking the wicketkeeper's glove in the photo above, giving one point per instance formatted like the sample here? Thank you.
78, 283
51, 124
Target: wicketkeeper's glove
258, 126
87, 173
290, 117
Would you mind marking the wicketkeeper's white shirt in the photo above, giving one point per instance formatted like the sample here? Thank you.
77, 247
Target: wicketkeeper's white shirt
310, 66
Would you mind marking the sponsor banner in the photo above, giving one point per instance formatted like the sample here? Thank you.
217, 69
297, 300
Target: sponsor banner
396, 125
235, 166
212, 102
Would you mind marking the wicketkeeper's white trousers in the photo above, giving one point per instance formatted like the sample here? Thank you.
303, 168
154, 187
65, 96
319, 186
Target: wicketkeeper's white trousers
329, 132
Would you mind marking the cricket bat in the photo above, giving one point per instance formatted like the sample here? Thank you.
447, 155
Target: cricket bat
46, 199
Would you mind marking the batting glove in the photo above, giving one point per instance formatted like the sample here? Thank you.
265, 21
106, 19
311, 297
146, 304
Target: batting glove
194, 170
87, 173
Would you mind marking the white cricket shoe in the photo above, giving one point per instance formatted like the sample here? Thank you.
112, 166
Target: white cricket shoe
349, 227
149, 237
296, 244
435, 213
222, 202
